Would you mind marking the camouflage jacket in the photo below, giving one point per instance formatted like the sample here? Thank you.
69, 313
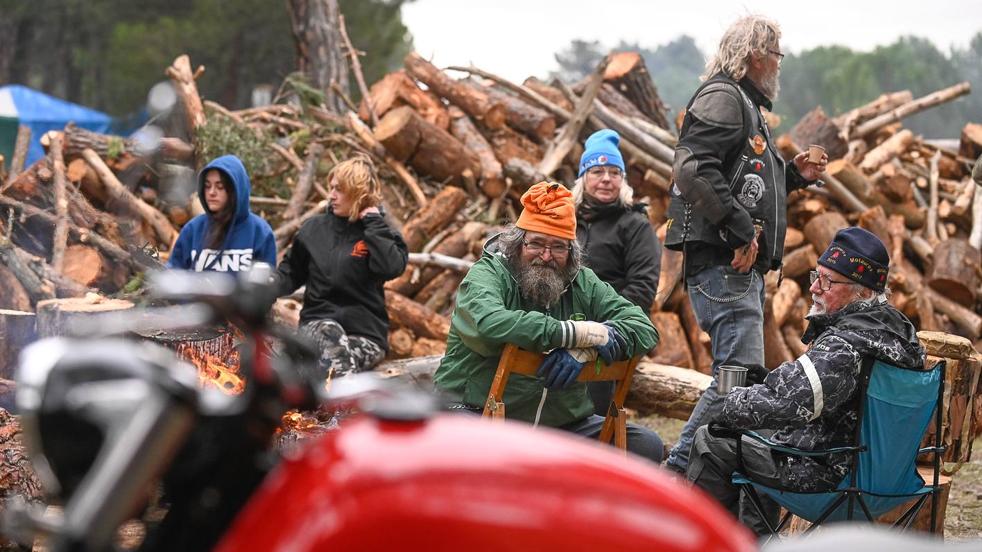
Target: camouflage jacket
810, 403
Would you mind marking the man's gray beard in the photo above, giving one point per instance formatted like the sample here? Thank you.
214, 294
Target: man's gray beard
816, 308
542, 284
771, 87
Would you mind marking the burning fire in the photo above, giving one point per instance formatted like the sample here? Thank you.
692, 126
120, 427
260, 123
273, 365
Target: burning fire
215, 368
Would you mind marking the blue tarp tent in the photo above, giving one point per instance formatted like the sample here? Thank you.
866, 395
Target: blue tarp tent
20, 105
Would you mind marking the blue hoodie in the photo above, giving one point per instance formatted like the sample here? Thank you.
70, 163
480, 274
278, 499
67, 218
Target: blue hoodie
248, 238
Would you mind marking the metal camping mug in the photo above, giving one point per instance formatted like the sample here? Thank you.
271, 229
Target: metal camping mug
729, 376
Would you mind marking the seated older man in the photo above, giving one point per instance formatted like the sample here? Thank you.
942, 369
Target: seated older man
530, 290
810, 403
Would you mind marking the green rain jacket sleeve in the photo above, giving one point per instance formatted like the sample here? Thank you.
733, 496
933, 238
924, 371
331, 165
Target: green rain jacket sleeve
606, 305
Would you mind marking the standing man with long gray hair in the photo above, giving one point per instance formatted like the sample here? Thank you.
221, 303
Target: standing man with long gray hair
728, 204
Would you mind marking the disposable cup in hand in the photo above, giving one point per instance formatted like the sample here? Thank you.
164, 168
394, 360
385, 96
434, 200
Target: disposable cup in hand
815, 152
728, 377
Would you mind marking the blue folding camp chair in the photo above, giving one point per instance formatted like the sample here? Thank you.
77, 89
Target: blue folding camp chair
895, 406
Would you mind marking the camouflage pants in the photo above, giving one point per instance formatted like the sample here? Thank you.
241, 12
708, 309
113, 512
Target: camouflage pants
342, 354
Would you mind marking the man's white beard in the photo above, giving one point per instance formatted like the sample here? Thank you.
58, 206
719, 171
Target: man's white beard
817, 307
771, 85
542, 282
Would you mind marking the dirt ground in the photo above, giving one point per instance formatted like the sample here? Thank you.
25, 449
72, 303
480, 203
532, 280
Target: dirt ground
963, 521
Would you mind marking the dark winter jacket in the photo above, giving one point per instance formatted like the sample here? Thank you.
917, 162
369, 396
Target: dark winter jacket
811, 401
248, 239
491, 313
729, 176
620, 245
344, 265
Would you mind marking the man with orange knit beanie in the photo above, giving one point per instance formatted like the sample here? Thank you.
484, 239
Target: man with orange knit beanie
529, 289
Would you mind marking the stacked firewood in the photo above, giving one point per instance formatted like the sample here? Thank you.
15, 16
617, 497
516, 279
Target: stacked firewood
919, 198
480, 141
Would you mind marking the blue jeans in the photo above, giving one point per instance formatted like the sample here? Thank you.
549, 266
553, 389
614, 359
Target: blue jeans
729, 306
640, 440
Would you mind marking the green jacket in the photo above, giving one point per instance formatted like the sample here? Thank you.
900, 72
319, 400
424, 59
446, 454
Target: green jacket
491, 313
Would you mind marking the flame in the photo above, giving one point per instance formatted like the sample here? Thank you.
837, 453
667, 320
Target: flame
218, 371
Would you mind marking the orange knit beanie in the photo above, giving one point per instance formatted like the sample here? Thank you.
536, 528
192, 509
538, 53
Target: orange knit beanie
548, 208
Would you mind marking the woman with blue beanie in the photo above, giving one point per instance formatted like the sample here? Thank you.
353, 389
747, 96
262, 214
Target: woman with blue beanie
618, 241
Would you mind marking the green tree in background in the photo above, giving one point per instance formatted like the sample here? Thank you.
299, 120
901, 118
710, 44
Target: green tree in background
834, 77
108, 53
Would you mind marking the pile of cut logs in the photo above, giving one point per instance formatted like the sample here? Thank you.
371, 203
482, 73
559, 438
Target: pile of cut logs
455, 155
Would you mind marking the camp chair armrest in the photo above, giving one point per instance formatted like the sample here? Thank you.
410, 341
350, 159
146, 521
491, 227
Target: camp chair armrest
799, 452
939, 450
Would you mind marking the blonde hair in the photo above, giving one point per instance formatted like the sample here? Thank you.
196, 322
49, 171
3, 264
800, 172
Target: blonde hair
358, 179
751, 35
625, 196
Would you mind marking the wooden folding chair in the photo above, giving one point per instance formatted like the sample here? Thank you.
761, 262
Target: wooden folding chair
519, 361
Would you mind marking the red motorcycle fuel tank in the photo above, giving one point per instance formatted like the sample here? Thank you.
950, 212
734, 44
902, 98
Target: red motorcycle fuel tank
453, 483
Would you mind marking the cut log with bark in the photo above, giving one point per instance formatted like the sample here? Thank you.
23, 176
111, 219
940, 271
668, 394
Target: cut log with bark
629, 75
83, 235
183, 79
534, 121
401, 343
24, 267
970, 144
432, 218
440, 291
785, 299
423, 322
21, 144
776, 350
60, 238
429, 149
955, 271
561, 146
886, 151
17, 476
60, 317
456, 245
378, 150
305, 182
85, 265
799, 261
821, 229
816, 128
474, 102
117, 151
13, 296
509, 144
158, 221
910, 108
16, 332
673, 346
852, 178
879, 106
320, 56
550, 93
668, 391
962, 373
397, 89
492, 180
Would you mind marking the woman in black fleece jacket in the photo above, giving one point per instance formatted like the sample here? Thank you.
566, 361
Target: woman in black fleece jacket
344, 257
618, 241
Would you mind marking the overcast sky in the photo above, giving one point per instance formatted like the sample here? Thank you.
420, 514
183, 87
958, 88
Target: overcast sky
519, 38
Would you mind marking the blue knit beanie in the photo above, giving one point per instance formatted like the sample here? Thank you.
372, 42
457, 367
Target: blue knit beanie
858, 255
601, 149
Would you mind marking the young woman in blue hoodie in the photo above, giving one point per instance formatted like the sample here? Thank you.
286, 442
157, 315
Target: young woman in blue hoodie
344, 257
228, 237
